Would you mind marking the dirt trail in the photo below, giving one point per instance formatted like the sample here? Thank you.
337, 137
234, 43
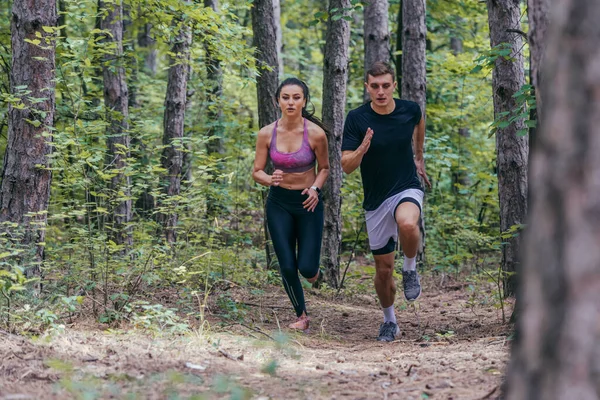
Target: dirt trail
446, 351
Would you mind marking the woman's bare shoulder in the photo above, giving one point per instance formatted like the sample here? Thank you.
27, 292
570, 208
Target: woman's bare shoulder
314, 130
266, 131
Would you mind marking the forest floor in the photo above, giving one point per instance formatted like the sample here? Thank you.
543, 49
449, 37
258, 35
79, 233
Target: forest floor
452, 346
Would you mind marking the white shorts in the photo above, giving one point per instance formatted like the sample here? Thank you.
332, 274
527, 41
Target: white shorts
381, 223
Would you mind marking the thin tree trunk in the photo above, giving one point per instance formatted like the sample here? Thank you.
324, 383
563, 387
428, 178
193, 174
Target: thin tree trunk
117, 116
279, 34
398, 60
148, 44
265, 41
556, 354
537, 11
414, 33
26, 177
174, 121
335, 76
460, 177
376, 35
508, 77
214, 147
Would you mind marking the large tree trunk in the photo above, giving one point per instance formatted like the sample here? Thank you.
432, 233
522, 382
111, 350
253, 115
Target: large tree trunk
398, 59
512, 149
376, 35
214, 147
537, 11
335, 76
117, 116
174, 122
265, 41
414, 33
278, 34
556, 354
26, 177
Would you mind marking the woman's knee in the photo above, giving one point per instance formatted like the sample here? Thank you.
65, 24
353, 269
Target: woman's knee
310, 272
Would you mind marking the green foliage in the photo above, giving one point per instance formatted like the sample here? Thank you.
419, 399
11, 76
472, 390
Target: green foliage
85, 272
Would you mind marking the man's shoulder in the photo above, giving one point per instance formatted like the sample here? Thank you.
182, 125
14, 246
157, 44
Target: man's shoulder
360, 109
402, 103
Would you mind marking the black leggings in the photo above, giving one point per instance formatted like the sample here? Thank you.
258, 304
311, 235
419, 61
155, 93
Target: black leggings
292, 225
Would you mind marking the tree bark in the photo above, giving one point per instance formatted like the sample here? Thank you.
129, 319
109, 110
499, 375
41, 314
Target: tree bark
117, 116
174, 123
376, 35
507, 78
335, 76
278, 35
398, 60
214, 147
26, 177
556, 354
148, 44
537, 11
265, 42
414, 34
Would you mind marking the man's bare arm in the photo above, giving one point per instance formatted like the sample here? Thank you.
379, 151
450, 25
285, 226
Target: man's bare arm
352, 159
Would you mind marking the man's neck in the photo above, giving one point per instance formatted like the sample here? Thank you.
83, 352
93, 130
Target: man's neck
384, 110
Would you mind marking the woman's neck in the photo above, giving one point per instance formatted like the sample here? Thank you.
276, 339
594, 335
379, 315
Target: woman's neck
287, 122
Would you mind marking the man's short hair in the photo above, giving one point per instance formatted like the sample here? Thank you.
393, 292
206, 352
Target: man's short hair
379, 68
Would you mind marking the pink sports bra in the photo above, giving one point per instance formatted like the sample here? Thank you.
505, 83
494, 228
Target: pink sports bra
298, 161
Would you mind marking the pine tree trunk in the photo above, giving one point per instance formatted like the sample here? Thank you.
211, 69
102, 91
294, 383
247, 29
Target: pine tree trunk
414, 33
278, 34
376, 35
26, 177
265, 41
117, 116
537, 11
399, 50
148, 45
214, 147
173, 124
335, 76
556, 354
512, 150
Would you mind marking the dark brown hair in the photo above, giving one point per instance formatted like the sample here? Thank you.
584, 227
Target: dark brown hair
309, 114
379, 68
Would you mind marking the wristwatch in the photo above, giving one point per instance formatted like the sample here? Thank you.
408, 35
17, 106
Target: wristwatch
316, 189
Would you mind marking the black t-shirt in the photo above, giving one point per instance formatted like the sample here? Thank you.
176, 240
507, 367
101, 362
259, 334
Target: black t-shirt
388, 167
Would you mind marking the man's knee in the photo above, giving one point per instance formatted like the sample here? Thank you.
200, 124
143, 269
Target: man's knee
384, 269
407, 224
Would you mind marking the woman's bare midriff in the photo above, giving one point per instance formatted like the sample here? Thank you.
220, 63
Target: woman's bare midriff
298, 180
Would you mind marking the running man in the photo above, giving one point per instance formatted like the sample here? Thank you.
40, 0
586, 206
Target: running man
378, 137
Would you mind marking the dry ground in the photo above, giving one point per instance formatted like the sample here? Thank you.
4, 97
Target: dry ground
448, 350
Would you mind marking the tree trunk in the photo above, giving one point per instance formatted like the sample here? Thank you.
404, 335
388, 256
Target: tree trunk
335, 76
148, 44
278, 35
26, 177
414, 33
537, 11
265, 41
508, 77
174, 121
556, 354
376, 35
214, 147
117, 115
399, 50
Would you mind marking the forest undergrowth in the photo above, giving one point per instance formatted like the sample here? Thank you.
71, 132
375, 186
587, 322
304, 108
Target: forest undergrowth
231, 341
